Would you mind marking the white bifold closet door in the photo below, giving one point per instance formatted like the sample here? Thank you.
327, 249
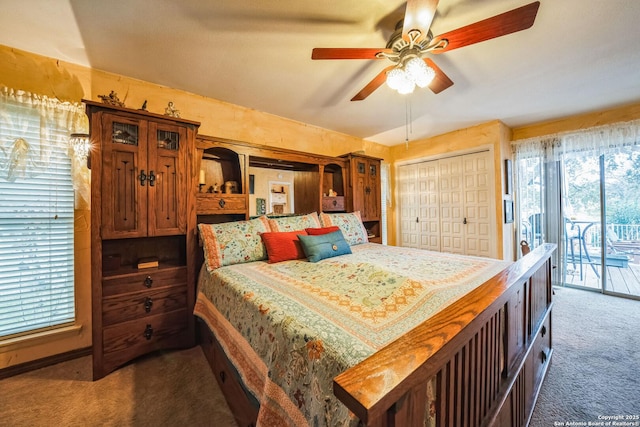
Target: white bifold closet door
447, 204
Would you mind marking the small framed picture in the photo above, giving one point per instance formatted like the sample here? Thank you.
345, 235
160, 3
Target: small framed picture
508, 175
508, 211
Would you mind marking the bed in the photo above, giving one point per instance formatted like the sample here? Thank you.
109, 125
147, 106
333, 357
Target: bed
365, 333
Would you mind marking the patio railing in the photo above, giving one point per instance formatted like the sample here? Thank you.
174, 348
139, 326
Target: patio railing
624, 232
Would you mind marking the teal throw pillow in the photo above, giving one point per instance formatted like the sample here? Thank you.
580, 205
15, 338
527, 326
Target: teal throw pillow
324, 246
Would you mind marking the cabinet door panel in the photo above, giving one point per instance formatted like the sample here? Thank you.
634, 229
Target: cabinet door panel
168, 189
372, 191
359, 186
124, 189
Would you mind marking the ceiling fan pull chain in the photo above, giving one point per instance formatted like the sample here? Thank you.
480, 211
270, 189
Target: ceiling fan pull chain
408, 125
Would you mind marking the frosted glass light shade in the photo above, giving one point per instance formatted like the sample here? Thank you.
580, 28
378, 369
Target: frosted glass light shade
419, 72
395, 77
405, 77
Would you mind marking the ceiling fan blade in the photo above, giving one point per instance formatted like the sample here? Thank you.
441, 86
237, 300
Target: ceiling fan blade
441, 81
418, 16
373, 84
347, 53
500, 25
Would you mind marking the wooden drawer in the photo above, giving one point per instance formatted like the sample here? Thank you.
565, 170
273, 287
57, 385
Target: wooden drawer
541, 351
143, 280
209, 204
333, 204
245, 412
127, 340
124, 307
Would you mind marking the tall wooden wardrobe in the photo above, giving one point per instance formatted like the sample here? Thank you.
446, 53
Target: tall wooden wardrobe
142, 222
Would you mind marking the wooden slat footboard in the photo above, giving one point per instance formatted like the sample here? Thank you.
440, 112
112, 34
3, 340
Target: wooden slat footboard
488, 352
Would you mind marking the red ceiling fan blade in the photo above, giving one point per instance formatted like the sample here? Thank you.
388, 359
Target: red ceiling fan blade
441, 81
346, 53
500, 25
373, 84
418, 16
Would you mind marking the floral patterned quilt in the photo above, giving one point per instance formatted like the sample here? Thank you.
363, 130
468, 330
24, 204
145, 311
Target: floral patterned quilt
291, 327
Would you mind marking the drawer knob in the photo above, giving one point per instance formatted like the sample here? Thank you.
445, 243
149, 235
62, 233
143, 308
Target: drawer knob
543, 357
148, 303
148, 331
223, 376
148, 281
221, 203
543, 330
335, 203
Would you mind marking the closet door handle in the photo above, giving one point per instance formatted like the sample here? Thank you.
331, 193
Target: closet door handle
464, 221
151, 178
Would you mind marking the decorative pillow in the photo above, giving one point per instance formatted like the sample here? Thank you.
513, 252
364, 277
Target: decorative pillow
233, 242
293, 223
322, 230
283, 246
350, 224
324, 245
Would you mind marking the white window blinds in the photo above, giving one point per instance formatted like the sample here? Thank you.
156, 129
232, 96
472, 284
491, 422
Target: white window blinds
36, 220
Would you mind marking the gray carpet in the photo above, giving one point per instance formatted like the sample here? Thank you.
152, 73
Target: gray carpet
593, 374
594, 369
169, 389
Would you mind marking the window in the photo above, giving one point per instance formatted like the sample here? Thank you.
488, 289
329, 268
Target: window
36, 214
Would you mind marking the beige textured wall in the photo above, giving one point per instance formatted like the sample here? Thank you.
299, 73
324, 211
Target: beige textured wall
622, 113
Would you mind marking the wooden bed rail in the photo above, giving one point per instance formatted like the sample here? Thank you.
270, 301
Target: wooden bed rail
486, 354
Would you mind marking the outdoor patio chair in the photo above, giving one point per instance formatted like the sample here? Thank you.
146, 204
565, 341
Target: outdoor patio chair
620, 251
573, 235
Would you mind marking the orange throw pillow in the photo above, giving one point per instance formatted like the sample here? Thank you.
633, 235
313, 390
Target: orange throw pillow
321, 230
283, 246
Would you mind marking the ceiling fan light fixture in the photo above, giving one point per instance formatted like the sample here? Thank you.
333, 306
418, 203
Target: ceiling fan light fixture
395, 78
418, 71
406, 86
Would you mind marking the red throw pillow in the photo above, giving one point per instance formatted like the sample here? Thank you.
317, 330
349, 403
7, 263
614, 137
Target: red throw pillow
322, 230
283, 246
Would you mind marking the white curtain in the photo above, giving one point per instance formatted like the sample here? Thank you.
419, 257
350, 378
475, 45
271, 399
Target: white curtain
29, 120
538, 162
596, 140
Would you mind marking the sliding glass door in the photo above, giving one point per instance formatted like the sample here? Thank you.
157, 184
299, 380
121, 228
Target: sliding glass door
582, 221
595, 218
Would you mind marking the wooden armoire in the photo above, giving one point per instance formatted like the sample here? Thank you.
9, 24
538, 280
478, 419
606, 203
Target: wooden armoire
365, 194
142, 222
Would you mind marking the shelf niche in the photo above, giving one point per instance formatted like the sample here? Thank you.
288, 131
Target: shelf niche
220, 166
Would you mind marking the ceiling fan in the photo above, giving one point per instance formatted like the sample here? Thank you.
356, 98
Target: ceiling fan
412, 40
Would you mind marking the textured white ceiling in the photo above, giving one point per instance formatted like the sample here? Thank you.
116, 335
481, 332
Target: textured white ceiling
579, 56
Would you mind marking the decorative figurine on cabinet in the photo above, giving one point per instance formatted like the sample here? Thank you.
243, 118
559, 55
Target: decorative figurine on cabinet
171, 111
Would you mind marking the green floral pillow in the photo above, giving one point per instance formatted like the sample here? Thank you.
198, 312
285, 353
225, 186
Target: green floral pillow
233, 242
293, 223
350, 224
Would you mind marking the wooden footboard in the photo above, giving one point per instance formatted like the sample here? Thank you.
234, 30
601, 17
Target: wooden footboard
489, 353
